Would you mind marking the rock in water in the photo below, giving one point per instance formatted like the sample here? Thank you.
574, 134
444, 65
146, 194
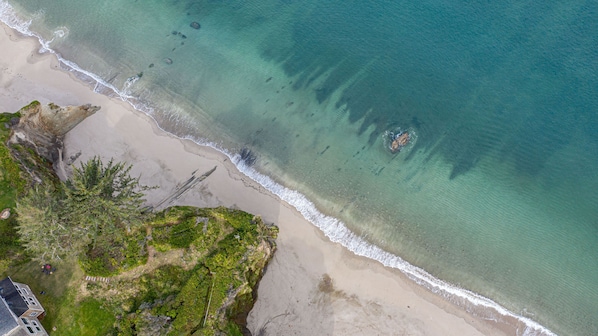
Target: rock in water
43, 127
195, 25
399, 141
247, 156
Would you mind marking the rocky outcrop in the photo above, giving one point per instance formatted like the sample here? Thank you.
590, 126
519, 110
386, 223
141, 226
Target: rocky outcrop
43, 127
400, 140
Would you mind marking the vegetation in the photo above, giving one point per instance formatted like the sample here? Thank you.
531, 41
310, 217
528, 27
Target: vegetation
12, 184
207, 293
181, 271
91, 212
105, 197
233, 247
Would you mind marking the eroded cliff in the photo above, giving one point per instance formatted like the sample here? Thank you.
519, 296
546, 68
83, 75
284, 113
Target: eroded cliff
43, 127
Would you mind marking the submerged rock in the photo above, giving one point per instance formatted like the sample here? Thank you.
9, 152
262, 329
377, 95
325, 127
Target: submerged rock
195, 25
247, 156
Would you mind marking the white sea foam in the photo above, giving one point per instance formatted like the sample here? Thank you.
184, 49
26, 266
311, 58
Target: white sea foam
60, 33
11, 19
129, 83
332, 227
337, 232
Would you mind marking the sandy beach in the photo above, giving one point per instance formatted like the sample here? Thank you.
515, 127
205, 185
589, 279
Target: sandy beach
311, 287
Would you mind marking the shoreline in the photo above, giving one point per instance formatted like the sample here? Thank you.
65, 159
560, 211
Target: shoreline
360, 294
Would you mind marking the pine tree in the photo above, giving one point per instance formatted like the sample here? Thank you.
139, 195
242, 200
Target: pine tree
104, 199
97, 204
43, 230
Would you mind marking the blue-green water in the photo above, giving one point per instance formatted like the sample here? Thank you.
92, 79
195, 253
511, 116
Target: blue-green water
498, 192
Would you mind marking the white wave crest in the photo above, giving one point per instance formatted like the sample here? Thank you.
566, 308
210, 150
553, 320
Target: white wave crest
61, 32
10, 18
337, 232
129, 83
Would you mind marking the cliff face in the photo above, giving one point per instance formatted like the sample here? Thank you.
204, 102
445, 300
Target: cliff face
43, 127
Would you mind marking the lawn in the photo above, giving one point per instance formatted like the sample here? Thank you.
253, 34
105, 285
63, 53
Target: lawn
88, 317
69, 317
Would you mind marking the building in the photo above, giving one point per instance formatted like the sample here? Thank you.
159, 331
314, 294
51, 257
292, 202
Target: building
20, 310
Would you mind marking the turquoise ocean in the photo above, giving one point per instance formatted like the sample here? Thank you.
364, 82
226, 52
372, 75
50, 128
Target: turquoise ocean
493, 205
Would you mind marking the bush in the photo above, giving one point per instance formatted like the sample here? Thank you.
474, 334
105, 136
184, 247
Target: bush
115, 254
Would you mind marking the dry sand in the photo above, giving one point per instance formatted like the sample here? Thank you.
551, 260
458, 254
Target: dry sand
311, 287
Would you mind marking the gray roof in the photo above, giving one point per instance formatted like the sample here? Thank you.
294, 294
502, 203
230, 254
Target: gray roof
7, 319
13, 299
19, 332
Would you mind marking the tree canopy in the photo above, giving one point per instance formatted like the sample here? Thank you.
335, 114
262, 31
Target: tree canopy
96, 204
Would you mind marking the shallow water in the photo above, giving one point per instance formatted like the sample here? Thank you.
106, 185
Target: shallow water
496, 193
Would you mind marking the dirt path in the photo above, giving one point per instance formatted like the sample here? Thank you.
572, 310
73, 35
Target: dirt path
155, 259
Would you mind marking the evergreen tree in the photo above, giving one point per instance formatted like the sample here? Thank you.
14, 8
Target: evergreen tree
43, 229
104, 199
96, 205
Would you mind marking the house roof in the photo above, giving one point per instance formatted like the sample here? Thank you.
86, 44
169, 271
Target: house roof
7, 319
13, 299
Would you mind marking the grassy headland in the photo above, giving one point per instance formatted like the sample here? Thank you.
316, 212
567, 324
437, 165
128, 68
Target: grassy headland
183, 271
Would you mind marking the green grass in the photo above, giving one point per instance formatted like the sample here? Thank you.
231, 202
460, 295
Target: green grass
11, 179
163, 282
226, 265
12, 184
10, 248
55, 286
119, 253
178, 227
88, 317
190, 304
172, 291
